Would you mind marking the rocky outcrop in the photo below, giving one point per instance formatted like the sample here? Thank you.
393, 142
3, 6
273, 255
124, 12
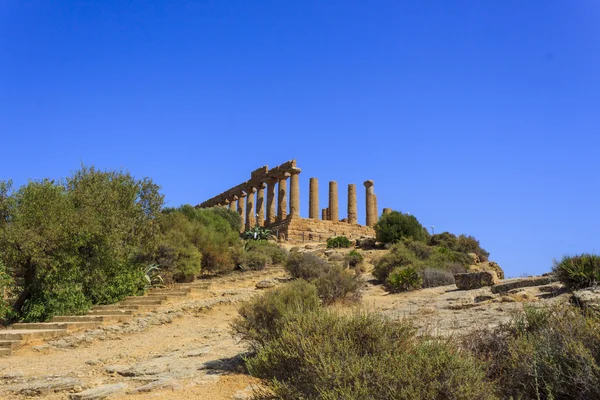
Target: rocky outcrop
475, 280
485, 266
588, 299
511, 284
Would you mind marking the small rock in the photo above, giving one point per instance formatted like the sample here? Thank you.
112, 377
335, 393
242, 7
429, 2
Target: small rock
158, 385
265, 284
588, 299
479, 299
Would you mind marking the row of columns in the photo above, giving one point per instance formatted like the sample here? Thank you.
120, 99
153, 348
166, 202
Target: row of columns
250, 203
331, 213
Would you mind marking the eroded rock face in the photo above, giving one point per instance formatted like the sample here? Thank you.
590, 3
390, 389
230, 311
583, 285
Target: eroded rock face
485, 266
511, 284
588, 299
475, 280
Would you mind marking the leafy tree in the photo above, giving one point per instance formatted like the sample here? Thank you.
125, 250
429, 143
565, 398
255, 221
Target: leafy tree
392, 227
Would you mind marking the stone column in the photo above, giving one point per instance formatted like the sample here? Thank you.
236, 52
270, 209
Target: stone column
250, 213
294, 193
271, 215
282, 199
386, 211
324, 214
233, 206
242, 209
352, 219
369, 202
260, 205
226, 204
375, 208
334, 214
313, 207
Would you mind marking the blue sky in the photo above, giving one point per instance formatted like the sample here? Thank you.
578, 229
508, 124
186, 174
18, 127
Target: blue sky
478, 117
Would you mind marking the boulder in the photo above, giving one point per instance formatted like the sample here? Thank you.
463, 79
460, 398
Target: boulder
99, 392
366, 242
588, 299
475, 280
486, 266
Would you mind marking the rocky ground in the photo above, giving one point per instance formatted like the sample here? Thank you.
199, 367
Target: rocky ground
184, 350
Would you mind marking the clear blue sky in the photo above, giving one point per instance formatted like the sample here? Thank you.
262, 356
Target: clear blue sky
478, 117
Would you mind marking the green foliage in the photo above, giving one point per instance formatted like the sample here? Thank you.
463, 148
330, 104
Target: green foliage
7, 292
332, 282
398, 256
354, 258
393, 227
403, 279
338, 242
152, 276
262, 318
338, 284
80, 247
254, 260
276, 254
213, 236
232, 217
306, 266
543, 353
462, 244
179, 258
323, 355
578, 271
258, 233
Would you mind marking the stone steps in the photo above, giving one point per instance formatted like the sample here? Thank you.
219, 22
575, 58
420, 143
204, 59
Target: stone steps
21, 333
68, 326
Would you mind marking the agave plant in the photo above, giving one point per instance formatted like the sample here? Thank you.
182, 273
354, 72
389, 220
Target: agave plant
258, 233
152, 276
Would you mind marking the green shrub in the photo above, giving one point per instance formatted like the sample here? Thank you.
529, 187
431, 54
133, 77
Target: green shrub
445, 258
7, 292
262, 318
254, 260
420, 249
364, 356
403, 279
392, 227
338, 284
398, 256
276, 254
436, 277
232, 217
578, 271
338, 242
543, 353
462, 244
354, 259
306, 266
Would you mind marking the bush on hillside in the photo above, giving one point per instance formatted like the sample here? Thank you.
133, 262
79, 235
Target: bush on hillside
323, 355
258, 233
254, 260
338, 284
7, 287
276, 254
338, 242
232, 217
262, 318
307, 266
393, 227
444, 258
543, 353
578, 271
436, 277
354, 258
463, 244
403, 279
398, 256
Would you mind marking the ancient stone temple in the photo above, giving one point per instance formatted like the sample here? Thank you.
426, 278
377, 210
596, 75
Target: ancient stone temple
283, 206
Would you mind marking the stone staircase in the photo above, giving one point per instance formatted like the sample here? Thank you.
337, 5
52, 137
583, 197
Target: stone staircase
20, 334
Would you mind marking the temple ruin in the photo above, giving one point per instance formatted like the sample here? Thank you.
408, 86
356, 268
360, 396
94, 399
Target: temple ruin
248, 199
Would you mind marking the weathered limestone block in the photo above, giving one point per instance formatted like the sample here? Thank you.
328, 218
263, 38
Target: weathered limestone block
475, 280
386, 211
324, 214
313, 207
588, 299
487, 266
334, 214
352, 217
